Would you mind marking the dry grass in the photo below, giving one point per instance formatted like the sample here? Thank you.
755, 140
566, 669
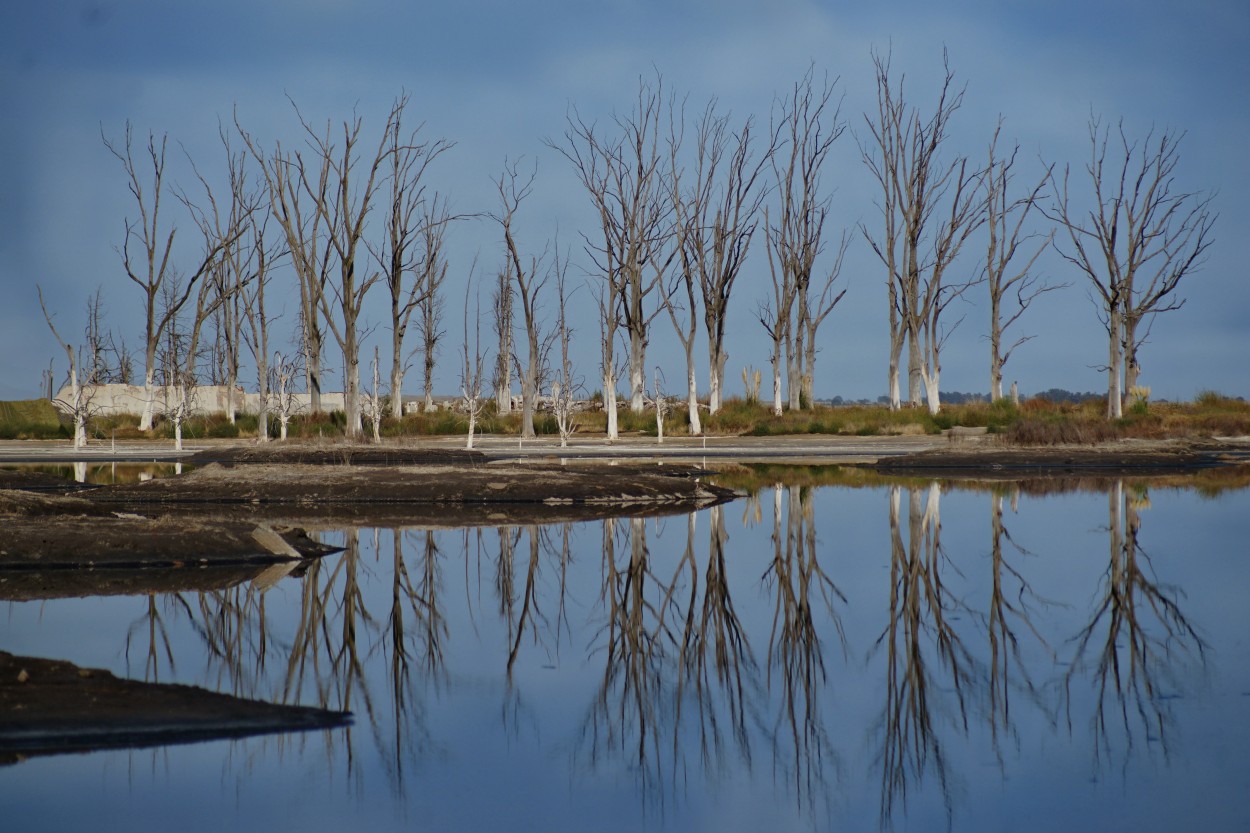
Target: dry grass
1036, 422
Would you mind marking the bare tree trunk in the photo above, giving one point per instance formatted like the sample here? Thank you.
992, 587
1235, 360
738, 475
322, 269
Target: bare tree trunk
692, 395
1115, 362
637, 370
776, 361
503, 357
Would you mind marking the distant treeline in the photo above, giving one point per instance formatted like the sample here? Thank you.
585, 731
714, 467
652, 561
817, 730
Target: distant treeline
956, 397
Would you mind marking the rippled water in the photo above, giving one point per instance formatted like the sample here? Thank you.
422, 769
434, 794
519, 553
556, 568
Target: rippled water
911, 657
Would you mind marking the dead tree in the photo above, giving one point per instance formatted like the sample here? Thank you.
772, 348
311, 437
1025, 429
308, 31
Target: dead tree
430, 313
294, 192
344, 207
412, 248
679, 295
147, 251
1012, 288
255, 257
716, 218
622, 170
471, 374
80, 395
96, 342
1136, 243
529, 279
807, 124
565, 385
929, 209
774, 314
220, 294
283, 400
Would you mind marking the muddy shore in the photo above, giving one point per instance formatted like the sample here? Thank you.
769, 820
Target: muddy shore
250, 506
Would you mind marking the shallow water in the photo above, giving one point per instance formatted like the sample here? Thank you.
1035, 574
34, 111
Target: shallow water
828, 658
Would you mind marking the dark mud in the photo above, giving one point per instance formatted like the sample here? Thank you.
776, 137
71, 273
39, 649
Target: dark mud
52, 707
1145, 458
252, 511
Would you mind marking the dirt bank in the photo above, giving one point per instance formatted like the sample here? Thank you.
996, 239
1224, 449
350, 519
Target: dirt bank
250, 511
1130, 457
50, 707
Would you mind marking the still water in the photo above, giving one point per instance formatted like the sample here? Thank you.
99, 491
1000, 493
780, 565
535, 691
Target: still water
900, 657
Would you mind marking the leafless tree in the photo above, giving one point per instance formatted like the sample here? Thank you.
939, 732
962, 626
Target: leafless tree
661, 403
220, 294
528, 279
1136, 243
80, 395
565, 385
411, 255
255, 259
343, 213
716, 215
1012, 288
775, 315
287, 179
622, 169
430, 315
930, 206
283, 371
678, 296
147, 251
96, 341
471, 375
806, 124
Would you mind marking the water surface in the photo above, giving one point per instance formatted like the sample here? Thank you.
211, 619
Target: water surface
909, 657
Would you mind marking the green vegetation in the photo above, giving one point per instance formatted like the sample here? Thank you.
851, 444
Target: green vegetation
1037, 421
31, 419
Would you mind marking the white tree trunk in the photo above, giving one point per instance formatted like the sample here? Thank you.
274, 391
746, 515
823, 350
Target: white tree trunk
692, 400
932, 397
609, 403
80, 409
776, 383
717, 358
149, 393
637, 364
1115, 365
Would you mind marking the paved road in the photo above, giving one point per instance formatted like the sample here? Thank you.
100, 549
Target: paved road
797, 448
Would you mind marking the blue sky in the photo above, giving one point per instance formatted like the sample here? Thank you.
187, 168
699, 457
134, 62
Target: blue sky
497, 78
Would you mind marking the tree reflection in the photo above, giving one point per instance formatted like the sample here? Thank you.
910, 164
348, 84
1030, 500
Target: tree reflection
679, 674
921, 642
1011, 613
715, 665
630, 703
801, 745
1137, 639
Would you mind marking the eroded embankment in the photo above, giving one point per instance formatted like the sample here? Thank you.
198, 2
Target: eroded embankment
256, 514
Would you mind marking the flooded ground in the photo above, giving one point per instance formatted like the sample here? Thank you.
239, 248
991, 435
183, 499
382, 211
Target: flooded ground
921, 655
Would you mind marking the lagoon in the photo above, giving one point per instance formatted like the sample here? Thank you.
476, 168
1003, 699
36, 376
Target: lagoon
836, 655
